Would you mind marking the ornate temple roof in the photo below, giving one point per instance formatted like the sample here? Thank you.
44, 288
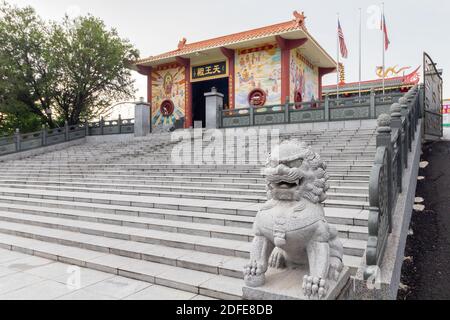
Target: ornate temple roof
293, 29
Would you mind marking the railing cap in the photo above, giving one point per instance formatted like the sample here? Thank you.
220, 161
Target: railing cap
396, 110
403, 101
384, 123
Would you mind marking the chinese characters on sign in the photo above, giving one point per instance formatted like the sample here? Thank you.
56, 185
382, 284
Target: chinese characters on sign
210, 71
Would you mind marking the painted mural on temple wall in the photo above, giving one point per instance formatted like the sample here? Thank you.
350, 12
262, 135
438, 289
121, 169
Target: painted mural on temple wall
168, 94
258, 68
304, 77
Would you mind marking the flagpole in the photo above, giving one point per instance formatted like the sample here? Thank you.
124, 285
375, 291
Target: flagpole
383, 22
360, 50
338, 56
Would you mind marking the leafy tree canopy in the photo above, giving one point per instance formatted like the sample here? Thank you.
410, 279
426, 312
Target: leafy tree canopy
76, 68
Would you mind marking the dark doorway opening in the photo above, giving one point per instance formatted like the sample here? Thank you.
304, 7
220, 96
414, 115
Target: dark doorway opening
198, 96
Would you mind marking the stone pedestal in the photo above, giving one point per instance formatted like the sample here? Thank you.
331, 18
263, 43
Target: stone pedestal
287, 285
214, 105
142, 119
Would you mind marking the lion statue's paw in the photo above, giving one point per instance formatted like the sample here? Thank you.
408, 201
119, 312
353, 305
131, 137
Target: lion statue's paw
277, 259
314, 288
254, 274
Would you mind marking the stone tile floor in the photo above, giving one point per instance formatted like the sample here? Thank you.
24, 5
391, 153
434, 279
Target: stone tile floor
25, 277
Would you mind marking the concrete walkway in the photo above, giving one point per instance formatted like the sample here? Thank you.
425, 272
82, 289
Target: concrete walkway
25, 277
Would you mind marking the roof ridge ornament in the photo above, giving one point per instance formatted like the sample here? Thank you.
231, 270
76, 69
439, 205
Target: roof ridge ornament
300, 19
182, 44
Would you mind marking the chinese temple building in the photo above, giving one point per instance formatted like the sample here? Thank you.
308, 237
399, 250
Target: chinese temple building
266, 66
394, 84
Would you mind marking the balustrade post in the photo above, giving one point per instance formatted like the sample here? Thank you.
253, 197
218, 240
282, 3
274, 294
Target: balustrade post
219, 114
119, 122
420, 107
327, 107
286, 111
408, 114
17, 139
102, 124
373, 110
384, 140
251, 112
44, 135
66, 130
397, 126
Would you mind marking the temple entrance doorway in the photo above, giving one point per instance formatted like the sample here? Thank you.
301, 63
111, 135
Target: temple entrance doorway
198, 96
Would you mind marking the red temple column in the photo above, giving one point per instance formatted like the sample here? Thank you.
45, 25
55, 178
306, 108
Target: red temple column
186, 63
286, 46
323, 72
230, 55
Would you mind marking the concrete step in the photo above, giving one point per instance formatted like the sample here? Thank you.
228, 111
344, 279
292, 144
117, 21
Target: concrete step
199, 205
340, 216
54, 229
203, 283
183, 258
226, 231
95, 163
218, 194
187, 177
155, 169
174, 187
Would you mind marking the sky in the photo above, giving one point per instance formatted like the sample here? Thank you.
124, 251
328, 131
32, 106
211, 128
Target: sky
155, 27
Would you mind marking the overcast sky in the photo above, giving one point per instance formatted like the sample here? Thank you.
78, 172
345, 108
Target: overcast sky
156, 26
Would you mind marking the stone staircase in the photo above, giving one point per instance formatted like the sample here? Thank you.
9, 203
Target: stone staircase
124, 208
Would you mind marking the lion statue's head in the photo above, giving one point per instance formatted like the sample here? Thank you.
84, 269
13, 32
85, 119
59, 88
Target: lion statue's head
294, 171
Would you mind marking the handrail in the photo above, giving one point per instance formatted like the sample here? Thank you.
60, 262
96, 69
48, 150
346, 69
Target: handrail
395, 134
26, 141
342, 109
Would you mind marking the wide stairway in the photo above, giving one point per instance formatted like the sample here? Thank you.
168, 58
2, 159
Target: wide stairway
124, 208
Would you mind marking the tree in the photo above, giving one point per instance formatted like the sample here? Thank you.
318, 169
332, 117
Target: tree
75, 68
91, 66
25, 78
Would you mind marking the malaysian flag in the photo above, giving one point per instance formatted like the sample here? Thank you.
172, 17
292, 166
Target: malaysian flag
384, 29
343, 46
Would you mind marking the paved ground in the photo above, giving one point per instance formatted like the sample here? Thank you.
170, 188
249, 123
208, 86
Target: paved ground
427, 273
24, 277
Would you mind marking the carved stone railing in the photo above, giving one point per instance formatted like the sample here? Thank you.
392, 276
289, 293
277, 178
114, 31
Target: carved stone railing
395, 135
343, 109
120, 126
47, 137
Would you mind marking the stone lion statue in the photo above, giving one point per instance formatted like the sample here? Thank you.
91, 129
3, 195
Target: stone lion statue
290, 229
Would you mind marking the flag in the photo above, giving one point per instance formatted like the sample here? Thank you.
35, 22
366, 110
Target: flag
384, 29
343, 46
